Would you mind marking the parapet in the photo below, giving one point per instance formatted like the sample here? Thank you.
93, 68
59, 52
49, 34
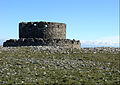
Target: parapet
45, 30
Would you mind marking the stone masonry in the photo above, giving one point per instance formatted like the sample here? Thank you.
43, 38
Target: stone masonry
45, 30
42, 34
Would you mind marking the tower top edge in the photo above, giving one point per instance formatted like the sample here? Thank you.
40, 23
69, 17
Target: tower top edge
43, 22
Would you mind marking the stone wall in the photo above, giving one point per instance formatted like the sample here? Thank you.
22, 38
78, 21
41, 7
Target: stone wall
42, 34
45, 30
66, 43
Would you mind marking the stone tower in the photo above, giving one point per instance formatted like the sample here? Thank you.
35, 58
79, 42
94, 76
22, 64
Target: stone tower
45, 30
42, 34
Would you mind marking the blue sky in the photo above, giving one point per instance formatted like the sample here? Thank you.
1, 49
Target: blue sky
86, 19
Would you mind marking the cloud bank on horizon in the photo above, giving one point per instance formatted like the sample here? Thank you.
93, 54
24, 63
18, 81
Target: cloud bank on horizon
112, 41
99, 43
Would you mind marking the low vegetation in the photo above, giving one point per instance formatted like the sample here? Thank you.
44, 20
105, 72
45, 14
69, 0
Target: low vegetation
50, 67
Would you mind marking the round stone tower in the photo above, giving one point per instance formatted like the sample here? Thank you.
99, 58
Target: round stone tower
42, 34
44, 30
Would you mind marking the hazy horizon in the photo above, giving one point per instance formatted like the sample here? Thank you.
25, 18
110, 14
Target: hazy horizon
94, 22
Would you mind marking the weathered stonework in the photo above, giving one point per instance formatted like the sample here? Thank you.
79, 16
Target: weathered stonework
45, 30
67, 43
42, 34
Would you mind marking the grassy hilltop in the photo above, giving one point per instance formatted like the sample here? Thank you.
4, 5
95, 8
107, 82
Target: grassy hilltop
30, 65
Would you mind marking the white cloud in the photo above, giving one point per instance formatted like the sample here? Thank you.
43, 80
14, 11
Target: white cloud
102, 42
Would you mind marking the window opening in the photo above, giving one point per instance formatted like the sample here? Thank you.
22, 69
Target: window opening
46, 26
35, 24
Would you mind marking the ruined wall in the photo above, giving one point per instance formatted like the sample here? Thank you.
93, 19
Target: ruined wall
42, 34
66, 43
45, 30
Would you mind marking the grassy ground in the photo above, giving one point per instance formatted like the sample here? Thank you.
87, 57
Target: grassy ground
74, 67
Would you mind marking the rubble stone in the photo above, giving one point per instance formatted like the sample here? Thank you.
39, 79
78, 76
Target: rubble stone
42, 34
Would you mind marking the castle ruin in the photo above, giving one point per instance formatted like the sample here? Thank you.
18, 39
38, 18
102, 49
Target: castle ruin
42, 34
